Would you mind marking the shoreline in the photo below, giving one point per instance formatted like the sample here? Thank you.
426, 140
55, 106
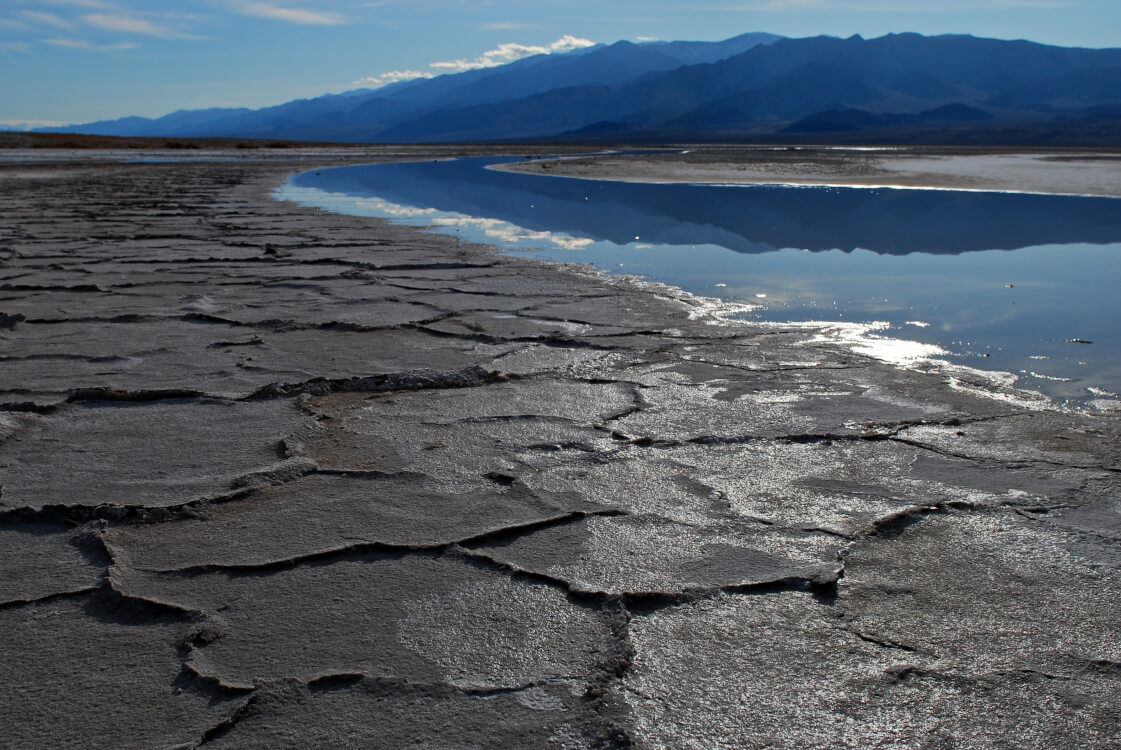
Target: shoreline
855, 337
895, 349
272, 475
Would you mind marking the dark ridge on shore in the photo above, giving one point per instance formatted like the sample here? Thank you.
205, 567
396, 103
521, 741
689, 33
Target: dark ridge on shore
19, 139
77, 141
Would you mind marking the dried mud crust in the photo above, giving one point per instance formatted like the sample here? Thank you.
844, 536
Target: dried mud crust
278, 478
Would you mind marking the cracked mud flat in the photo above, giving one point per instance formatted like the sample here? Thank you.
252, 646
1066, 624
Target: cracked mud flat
278, 478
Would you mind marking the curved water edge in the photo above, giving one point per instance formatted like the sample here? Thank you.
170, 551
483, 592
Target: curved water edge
996, 290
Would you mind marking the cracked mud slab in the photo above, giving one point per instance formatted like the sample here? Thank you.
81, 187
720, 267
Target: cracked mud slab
228, 358
902, 658
784, 660
157, 454
271, 477
92, 672
336, 512
460, 436
48, 559
408, 617
648, 556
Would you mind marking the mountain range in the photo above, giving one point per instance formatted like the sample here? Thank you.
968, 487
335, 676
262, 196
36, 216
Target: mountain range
753, 87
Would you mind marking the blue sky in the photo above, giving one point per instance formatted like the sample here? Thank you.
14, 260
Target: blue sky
64, 61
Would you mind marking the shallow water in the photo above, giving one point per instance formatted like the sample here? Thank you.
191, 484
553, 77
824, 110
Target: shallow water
1009, 282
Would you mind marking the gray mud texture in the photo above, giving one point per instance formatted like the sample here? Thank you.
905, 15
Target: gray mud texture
276, 478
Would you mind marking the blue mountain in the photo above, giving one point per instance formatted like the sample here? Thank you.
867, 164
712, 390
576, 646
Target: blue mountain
948, 88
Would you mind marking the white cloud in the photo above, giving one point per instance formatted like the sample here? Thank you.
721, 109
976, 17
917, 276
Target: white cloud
511, 51
13, 24
646, 39
567, 43
291, 15
501, 55
20, 47
47, 19
392, 76
132, 25
90, 46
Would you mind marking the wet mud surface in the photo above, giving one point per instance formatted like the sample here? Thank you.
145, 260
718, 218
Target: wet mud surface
278, 478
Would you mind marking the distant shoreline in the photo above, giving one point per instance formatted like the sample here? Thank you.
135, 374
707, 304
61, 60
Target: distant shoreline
1091, 173
46, 142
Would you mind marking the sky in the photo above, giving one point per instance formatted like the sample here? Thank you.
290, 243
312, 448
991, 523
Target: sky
76, 61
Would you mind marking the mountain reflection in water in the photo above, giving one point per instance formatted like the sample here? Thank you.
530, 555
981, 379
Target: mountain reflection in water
938, 258
747, 219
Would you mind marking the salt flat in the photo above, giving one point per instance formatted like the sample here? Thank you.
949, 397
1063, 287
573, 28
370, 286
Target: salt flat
1059, 172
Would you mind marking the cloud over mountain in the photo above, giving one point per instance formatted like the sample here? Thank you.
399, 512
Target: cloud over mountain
500, 55
511, 51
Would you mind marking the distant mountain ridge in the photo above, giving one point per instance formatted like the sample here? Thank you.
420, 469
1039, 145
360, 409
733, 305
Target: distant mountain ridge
756, 86
356, 115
